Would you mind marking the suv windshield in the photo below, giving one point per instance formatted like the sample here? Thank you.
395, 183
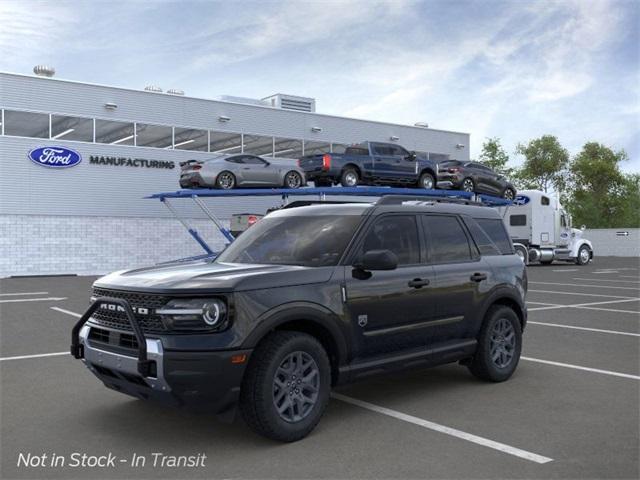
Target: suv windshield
314, 241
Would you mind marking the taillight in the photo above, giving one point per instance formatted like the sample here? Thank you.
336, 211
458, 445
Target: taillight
326, 161
196, 167
454, 170
251, 220
299, 162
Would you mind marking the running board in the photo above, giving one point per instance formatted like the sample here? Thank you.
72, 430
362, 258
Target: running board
441, 353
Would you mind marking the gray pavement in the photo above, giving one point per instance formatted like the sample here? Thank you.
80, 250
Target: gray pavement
576, 411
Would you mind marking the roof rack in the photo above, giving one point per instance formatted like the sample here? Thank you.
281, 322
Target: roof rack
389, 196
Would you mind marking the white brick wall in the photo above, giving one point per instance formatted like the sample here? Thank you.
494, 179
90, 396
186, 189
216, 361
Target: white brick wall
607, 242
41, 245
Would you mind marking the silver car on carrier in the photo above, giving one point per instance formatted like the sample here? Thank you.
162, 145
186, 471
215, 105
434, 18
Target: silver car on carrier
241, 170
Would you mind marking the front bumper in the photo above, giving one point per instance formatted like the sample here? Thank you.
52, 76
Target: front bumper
204, 381
449, 181
143, 368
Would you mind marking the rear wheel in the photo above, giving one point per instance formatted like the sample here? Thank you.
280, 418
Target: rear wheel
293, 179
468, 185
349, 178
509, 194
427, 181
584, 255
286, 388
226, 180
499, 345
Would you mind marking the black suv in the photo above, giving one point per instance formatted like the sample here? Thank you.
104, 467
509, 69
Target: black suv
309, 298
474, 177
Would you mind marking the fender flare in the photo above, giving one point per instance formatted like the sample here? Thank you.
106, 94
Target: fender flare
580, 243
502, 293
295, 311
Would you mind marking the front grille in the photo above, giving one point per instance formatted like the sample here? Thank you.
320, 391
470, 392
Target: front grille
117, 319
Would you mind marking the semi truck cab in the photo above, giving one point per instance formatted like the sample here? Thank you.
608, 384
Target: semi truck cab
541, 230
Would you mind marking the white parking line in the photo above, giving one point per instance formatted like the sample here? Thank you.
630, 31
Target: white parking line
485, 442
628, 276
587, 306
40, 355
579, 367
587, 286
597, 330
567, 270
605, 280
582, 294
605, 272
48, 299
23, 293
633, 312
68, 312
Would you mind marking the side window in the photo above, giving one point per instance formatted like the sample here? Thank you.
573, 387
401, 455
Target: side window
563, 220
235, 160
544, 201
494, 228
518, 220
481, 238
399, 151
447, 239
251, 160
397, 233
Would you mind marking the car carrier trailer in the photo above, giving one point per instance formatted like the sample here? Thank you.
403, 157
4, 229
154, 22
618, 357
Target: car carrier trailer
408, 194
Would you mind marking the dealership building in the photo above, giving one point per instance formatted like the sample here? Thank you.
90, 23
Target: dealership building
92, 217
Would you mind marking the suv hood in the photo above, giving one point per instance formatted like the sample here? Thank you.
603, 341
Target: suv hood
219, 277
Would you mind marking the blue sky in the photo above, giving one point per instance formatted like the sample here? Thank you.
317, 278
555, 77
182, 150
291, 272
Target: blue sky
515, 70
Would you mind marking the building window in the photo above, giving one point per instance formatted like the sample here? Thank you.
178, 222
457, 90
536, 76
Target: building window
71, 128
287, 148
190, 139
157, 136
225, 142
258, 145
314, 148
114, 133
26, 124
338, 147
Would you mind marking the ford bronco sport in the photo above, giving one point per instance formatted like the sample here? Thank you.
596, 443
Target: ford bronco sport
309, 298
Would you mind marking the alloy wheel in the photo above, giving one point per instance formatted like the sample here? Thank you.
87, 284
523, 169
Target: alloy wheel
503, 343
226, 180
427, 182
293, 180
508, 194
295, 386
467, 185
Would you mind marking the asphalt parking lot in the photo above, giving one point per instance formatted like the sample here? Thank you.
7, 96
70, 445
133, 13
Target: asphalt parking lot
570, 411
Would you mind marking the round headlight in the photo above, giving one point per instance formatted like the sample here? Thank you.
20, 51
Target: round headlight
213, 312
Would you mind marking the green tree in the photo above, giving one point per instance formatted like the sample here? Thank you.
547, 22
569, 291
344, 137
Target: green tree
600, 195
494, 156
544, 165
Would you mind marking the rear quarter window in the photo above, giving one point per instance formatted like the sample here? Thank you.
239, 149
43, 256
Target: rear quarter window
356, 151
492, 237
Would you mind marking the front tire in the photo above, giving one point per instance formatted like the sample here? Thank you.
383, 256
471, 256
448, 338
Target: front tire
427, 181
293, 180
286, 387
225, 180
584, 255
499, 345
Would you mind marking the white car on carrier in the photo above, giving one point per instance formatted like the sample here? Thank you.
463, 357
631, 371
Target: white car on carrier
541, 230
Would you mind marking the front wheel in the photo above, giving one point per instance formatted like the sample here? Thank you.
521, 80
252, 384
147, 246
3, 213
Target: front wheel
293, 179
499, 345
584, 255
286, 387
427, 181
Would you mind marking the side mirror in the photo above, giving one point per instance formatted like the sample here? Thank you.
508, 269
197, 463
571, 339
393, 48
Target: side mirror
377, 260
412, 156
583, 228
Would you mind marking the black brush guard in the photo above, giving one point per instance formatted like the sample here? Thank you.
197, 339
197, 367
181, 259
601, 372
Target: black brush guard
77, 350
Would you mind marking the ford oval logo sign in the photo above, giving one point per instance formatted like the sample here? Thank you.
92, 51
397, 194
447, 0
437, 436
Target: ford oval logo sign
521, 200
55, 157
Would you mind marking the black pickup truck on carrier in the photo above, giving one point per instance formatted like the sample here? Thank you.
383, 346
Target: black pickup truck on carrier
308, 298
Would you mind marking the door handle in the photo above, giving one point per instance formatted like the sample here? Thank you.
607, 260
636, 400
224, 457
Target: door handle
478, 277
418, 283
246, 168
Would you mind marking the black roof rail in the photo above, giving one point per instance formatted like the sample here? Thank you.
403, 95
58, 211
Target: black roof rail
426, 199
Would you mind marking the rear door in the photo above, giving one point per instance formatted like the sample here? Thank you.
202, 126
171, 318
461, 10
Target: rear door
383, 160
391, 310
461, 275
